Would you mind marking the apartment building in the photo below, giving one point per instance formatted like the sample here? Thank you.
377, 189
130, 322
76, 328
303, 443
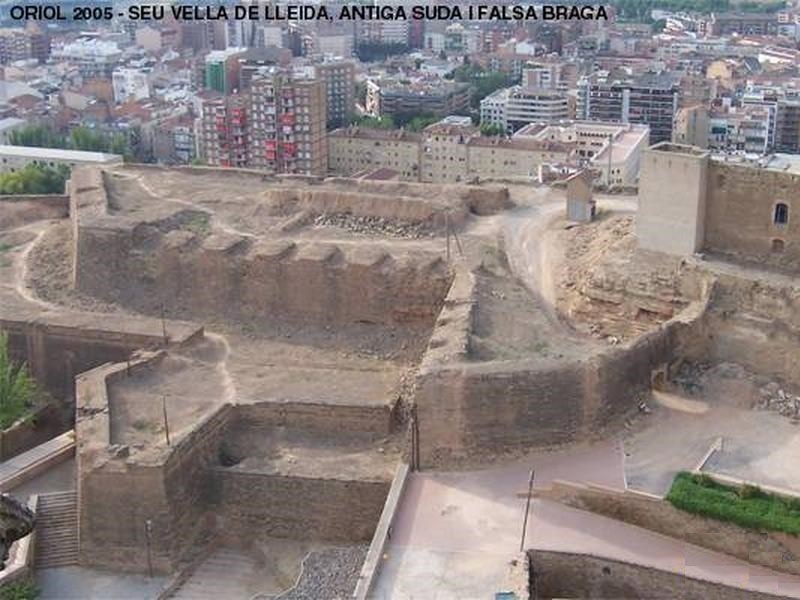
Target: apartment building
425, 96
287, 122
743, 129
444, 152
787, 126
94, 58
338, 77
15, 44
221, 129
724, 24
221, 70
612, 151
130, 84
513, 108
354, 149
650, 99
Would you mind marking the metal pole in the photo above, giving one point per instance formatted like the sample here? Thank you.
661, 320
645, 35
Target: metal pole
416, 429
148, 530
166, 421
413, 440
527, 510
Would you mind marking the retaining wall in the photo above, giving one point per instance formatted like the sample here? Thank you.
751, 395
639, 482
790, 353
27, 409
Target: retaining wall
776, 550
571, 575
294, 507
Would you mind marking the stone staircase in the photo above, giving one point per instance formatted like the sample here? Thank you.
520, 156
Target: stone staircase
225, 574
57, 530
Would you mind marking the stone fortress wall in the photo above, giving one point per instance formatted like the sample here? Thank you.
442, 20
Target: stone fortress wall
147, 264
689, 202
731, 209
467, 410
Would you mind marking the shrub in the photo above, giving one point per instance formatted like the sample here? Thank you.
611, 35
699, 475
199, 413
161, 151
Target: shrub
748, 506
19, 590
17, 388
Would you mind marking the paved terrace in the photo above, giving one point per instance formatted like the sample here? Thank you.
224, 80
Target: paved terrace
455, 533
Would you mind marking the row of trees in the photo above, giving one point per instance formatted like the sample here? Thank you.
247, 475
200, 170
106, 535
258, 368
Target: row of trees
79, 138
639, 10
34, 179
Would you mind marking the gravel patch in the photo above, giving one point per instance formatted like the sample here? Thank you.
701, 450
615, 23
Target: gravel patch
329, 574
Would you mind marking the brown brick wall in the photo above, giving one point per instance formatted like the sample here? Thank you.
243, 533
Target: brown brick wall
297, 507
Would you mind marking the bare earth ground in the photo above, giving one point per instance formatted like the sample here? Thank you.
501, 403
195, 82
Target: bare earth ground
298, 453
757, 445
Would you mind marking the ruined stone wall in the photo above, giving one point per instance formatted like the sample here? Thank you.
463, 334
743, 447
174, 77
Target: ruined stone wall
115, 503
754, 320
117, 496
775, 550
571, 575
188, 484
236, 277
740, 208
55, 354
297, 507
470, 411
354, 201
317, 416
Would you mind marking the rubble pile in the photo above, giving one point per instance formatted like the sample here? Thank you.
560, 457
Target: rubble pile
373, 225
776, 399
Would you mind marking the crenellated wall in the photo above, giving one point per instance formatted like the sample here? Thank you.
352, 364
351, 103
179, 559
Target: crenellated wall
178, 260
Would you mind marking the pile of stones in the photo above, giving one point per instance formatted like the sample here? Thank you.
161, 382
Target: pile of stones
373, 225
776, 399
328, 574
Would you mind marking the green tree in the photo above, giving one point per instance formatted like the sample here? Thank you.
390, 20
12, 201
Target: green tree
34, 179
420, 122
37, 136
492, 129
384, 122
17, 388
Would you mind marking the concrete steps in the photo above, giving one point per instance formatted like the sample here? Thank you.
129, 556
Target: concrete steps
225, 574
57, 530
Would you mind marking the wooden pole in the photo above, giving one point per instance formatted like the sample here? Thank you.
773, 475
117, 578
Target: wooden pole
148, 532
527, 510
163, 324
447, 230
166, 421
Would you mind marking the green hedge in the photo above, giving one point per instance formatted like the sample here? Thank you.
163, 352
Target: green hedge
747, 506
